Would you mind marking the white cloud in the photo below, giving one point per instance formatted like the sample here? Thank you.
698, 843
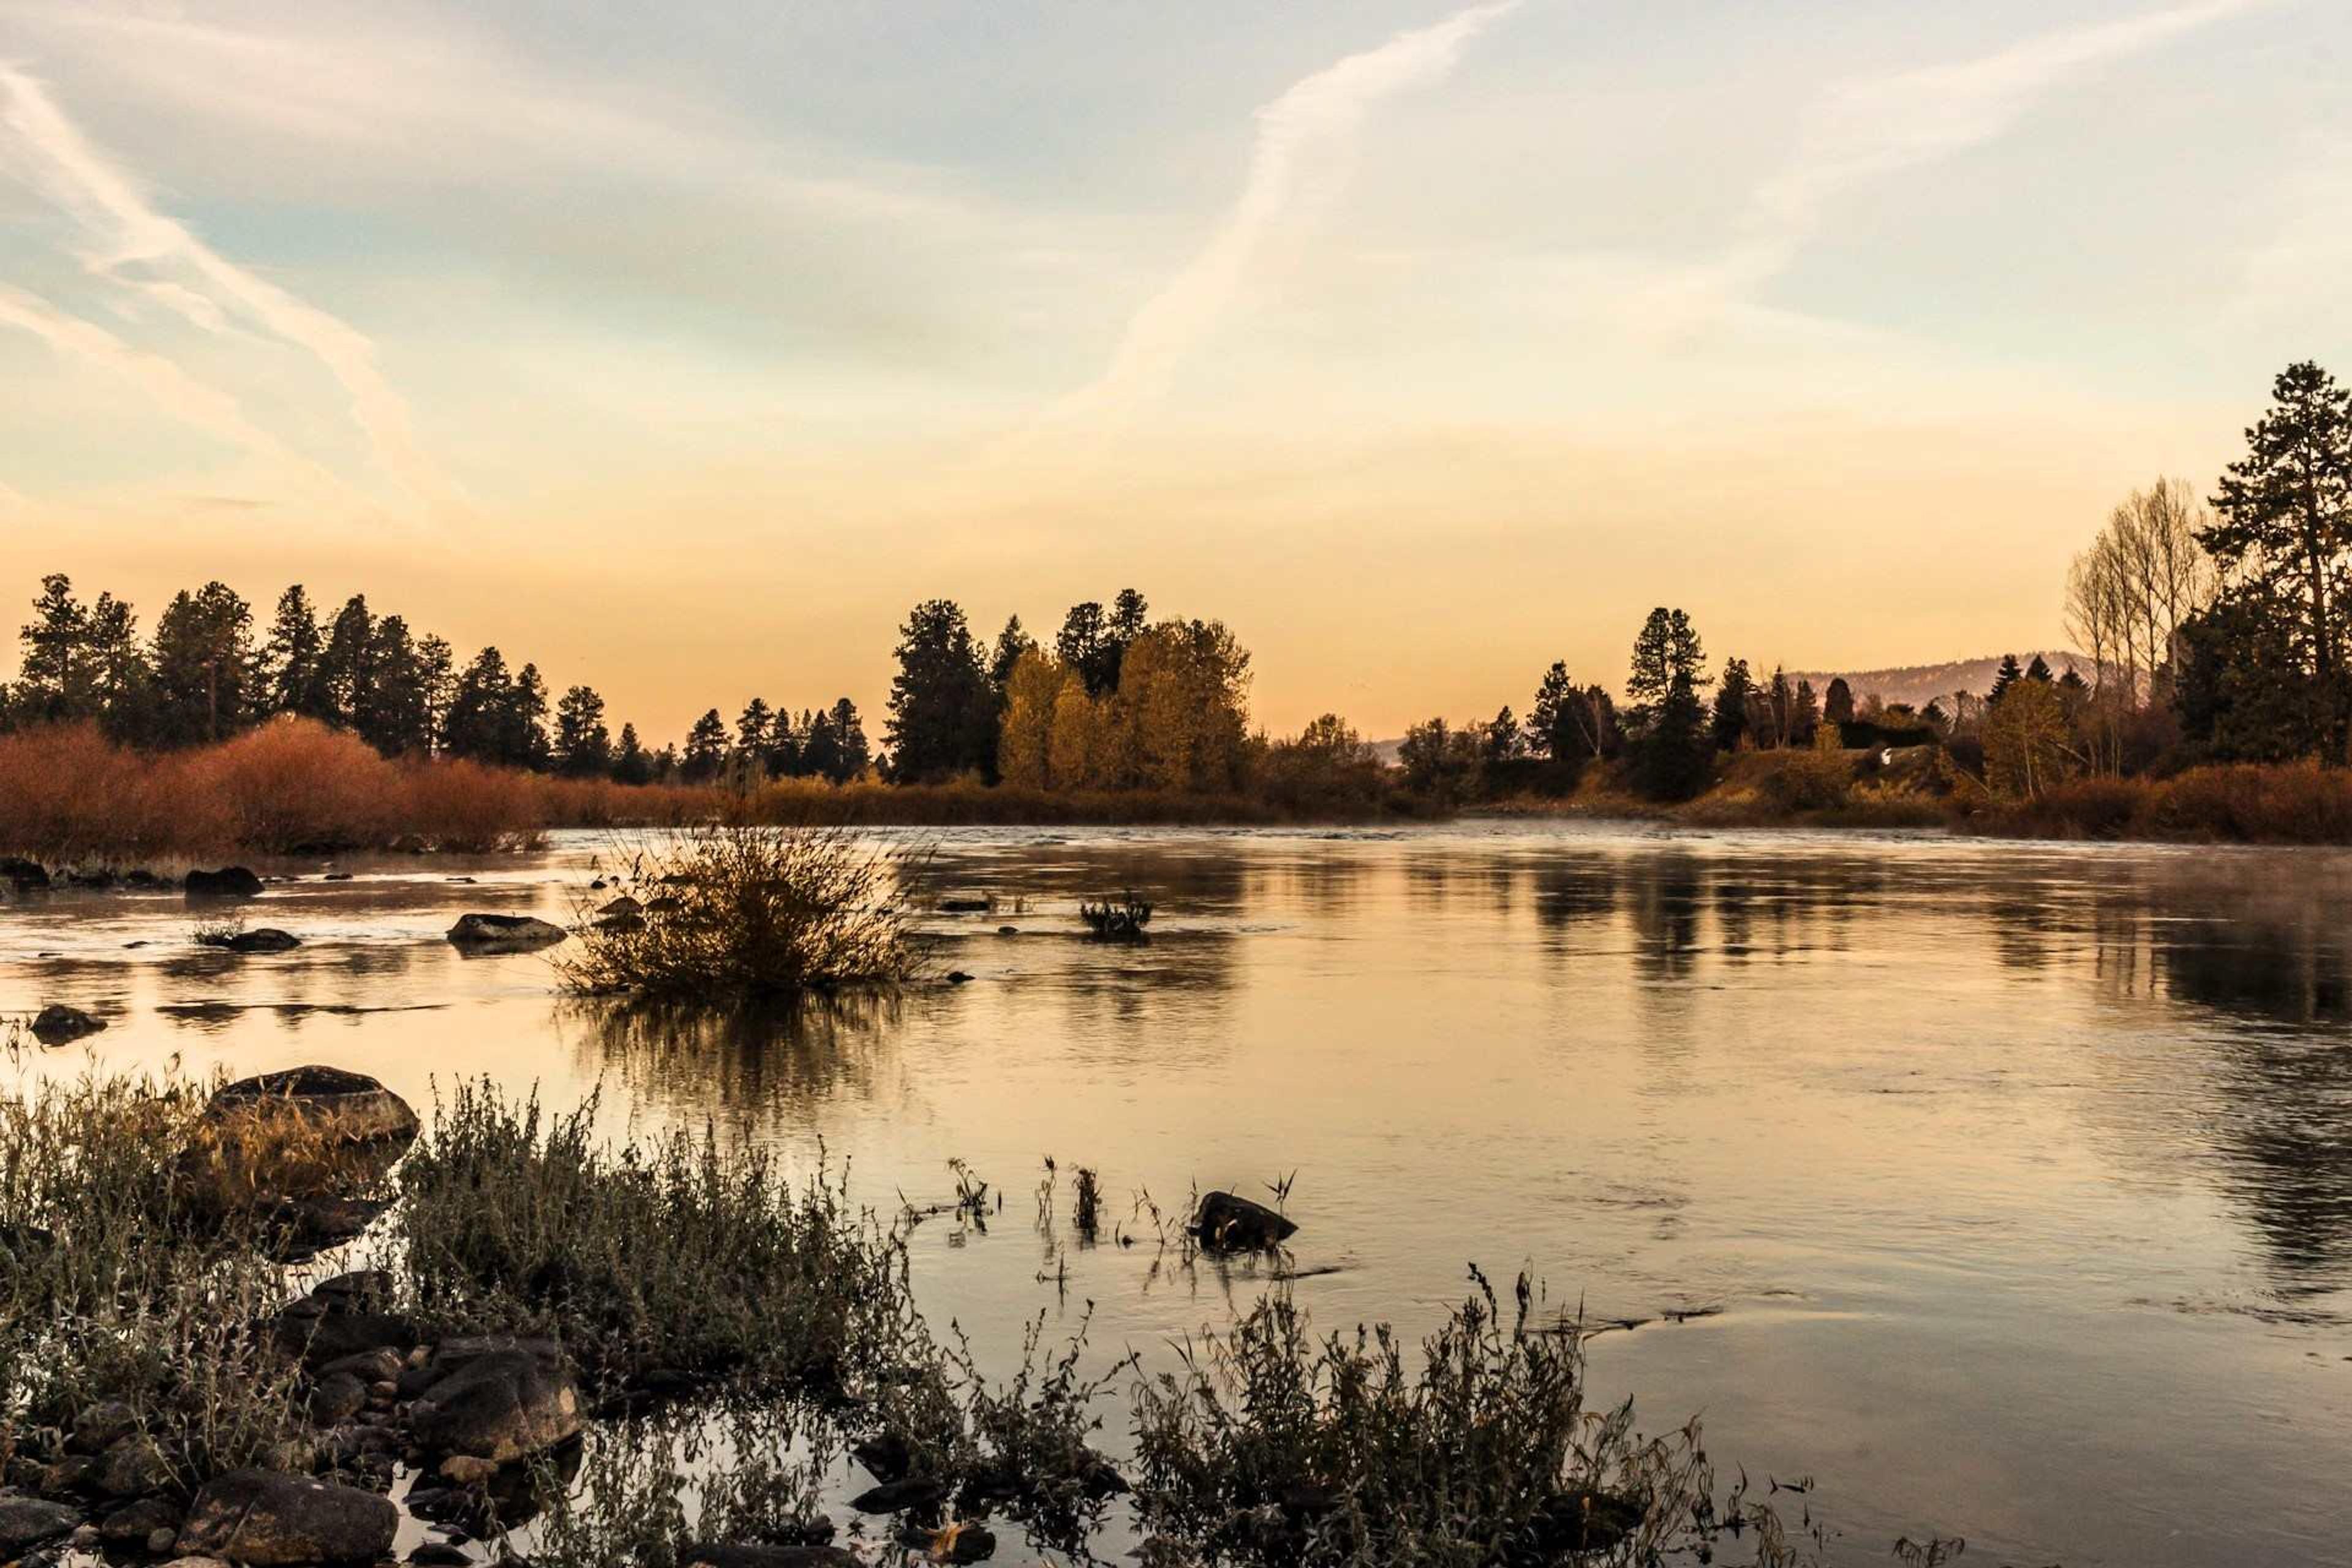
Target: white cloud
1303, 135
129, 233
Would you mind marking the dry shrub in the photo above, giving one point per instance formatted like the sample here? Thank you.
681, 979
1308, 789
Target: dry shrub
454, 803
293, 783
1809, 781
2248, 803
740, 910
68, 795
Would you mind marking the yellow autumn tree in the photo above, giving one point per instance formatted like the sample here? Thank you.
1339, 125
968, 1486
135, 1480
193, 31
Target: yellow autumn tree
1180, 720
2026, 740
1024, 746
1075, 744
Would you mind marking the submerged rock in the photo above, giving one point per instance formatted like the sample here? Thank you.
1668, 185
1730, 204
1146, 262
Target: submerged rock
25, 876
57, 1025
263, 1518
963, 906
1229, 1224
503, 933
228, 882
267, 939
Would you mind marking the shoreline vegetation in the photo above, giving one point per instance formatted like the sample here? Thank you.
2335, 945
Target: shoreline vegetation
168, 1382
2213, 703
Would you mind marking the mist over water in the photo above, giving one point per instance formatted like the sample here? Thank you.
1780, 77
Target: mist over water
2013, 1183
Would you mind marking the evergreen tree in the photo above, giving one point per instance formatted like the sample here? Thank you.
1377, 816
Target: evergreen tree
1672, 764
851, 754
341, 686
751, 734
124, 685
204, 665
436, 684
583, 746
2039, 671
1838, 706
1733, 692
1666, 647
57, 680
290, 656
943, 713
785, 738
475, 725
2009, 675
395, 712
706, 749
1808, 716
821, 748
523, 724
630, 762
1010, 644
1502, 739
2283, 537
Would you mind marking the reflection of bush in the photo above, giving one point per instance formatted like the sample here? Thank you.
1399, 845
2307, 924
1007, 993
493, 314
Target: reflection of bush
738, 1054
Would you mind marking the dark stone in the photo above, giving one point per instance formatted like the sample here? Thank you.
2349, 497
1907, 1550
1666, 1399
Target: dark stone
435, 1554
623, 905
503, 1407
366, 1368
1230, 1224
74, 1473
57, 1023
134, 1522
336, 1399
363, 1289
1008, 930
101, 1425
264, 1519
26, 1522
958, 977
503, 933
323, 1339
963, 906
25, 876
228, 882
900, 1497
888, 1455
336, 877
132, 1468
267, 939
349, 1107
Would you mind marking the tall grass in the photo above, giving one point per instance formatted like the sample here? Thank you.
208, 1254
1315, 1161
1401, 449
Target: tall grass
673, 1256
2242, 803
115, 1287
1271, 1447
736, 912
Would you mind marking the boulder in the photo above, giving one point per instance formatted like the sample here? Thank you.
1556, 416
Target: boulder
346, 1107
228, 882
267, 939
503, 1406
132, 1468
338, 1397
101, 1426
25, 876
27, 1522
133, 1522
264, 1519
915, 1494
503, 933
963, 906
332, 1338
57, 1025
1229, 1224
363, 1289
623, 905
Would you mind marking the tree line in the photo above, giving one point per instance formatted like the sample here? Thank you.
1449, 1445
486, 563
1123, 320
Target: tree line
207, 672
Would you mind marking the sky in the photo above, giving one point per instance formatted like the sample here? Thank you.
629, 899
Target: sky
682, 349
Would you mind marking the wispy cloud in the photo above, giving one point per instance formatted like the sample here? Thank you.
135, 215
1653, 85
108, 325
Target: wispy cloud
1877, 126
127, 232
1305, 134
172, 390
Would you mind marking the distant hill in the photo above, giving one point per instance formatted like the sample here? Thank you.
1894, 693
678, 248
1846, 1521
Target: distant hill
1919, 684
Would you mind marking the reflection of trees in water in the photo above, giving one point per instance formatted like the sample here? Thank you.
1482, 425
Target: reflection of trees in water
753, 1057
2262, 948
1114, 993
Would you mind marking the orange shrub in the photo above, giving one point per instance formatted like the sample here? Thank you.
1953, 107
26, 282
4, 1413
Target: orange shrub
68, 796
293, 783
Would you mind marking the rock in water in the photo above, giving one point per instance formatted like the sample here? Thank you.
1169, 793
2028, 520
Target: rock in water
503, 933
264, 1519
343, 1107
1230, 1224
57, 1025
228, 882
25, 876
804, 1556
502, 1406
267, 939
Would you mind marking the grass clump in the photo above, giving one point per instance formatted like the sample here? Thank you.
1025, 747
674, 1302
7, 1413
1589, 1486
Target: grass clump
117, 1286
670, 1263
1272, 1446
744, 910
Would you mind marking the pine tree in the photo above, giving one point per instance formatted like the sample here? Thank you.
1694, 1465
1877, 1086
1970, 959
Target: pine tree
55, 683
395, 713
1838, 706
630, 762
2283, 536
342, 688
2009, 675
853, 755
1010, 644
475, 723
583, 746
706, 749
522, 726
1732, 692
290, 655
943, 713
2039, 671
204, 665
751, 737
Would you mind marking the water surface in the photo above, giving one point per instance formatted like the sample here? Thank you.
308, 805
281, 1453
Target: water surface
2014, 1183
